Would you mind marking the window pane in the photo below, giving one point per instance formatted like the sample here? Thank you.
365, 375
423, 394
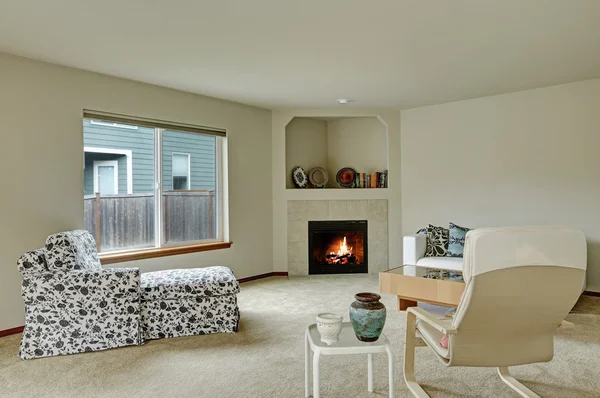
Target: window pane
119, 200
180, 164
189, 165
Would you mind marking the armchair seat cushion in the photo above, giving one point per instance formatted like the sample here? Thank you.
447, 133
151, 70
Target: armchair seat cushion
433, 337
182, 283
447, 263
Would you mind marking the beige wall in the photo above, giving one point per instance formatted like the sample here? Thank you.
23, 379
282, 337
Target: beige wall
305, 145
529, 157
357, 142
41, 140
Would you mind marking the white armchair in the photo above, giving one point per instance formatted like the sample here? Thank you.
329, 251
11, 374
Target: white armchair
529, 278
414, 254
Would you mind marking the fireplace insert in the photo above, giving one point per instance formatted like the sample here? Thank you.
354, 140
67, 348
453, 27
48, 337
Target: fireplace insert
337, 247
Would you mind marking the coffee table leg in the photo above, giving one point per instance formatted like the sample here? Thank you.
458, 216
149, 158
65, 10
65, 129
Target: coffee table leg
390, 370
370, 372
316, 374
403, 304
306, 365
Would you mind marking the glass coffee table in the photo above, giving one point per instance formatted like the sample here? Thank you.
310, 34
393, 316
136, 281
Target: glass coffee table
407, 283
348, 344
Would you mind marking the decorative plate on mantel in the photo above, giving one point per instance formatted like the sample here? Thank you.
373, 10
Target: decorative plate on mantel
345, 177
299, 177
318, 176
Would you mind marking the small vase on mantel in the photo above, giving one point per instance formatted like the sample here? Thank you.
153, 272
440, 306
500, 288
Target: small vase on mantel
367, 314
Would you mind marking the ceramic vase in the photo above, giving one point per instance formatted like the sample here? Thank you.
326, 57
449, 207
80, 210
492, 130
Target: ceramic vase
367, 315
329, 326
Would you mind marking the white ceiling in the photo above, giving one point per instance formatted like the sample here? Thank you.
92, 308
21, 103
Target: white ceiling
308, 53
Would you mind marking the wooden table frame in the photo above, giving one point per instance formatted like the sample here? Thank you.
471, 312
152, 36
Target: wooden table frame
413, 289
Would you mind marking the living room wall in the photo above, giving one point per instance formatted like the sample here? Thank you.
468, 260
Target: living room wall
42, 145
523, 158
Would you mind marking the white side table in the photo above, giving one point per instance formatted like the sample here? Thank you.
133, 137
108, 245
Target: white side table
347, 344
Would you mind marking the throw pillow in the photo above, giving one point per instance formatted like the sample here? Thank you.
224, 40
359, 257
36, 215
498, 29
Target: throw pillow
422, 231
437, 241
456, 241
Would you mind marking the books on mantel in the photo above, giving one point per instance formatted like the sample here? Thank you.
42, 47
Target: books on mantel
371, 180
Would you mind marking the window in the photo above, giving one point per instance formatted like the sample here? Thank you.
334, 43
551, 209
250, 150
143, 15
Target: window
181, 171
150, 184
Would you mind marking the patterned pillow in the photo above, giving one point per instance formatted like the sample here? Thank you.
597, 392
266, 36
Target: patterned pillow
456, 242
422, 231
437, 241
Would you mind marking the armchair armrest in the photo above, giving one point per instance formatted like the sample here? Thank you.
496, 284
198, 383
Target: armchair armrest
443, 325
81, 285
413, 248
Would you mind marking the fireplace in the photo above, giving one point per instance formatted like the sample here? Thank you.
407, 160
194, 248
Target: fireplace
337, 247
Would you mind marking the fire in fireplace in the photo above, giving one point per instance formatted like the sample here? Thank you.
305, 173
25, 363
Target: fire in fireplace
337, 247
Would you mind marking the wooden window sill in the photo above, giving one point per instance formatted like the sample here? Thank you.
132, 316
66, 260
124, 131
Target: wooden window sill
161, 252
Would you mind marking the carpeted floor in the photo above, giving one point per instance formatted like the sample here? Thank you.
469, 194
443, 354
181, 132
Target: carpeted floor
266, 358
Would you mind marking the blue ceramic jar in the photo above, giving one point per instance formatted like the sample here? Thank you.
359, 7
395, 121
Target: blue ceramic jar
367, 314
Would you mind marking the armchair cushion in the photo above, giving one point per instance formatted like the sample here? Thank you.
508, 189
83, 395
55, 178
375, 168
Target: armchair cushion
447, 263
72, 250
33, 261
182, 283
433, 338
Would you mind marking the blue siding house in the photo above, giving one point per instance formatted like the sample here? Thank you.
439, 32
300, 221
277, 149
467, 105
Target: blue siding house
119, 159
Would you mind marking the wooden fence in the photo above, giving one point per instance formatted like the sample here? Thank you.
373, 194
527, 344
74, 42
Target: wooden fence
121, 222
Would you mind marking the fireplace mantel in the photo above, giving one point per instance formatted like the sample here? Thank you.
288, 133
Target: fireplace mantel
336, 193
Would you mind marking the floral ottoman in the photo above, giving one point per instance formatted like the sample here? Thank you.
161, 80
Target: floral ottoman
185, 302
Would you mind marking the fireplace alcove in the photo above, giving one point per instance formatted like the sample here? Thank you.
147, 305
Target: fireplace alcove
337, 247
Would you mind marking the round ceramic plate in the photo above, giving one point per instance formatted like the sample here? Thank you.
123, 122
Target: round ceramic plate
318, 176
299, 177
345, 177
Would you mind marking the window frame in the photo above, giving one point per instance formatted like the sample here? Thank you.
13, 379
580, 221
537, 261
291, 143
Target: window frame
112, 124
101, 163
189, 171
162, 248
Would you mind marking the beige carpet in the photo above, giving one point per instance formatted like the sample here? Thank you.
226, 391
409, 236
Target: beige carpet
266, 358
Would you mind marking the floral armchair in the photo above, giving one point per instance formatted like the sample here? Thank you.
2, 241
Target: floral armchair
72, 305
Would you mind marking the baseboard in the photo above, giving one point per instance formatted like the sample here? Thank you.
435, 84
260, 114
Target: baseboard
590, 293
261, 276
8, 332
19, 329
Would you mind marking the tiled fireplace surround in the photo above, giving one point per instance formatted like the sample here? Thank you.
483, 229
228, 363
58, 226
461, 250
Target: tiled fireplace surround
299, 212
